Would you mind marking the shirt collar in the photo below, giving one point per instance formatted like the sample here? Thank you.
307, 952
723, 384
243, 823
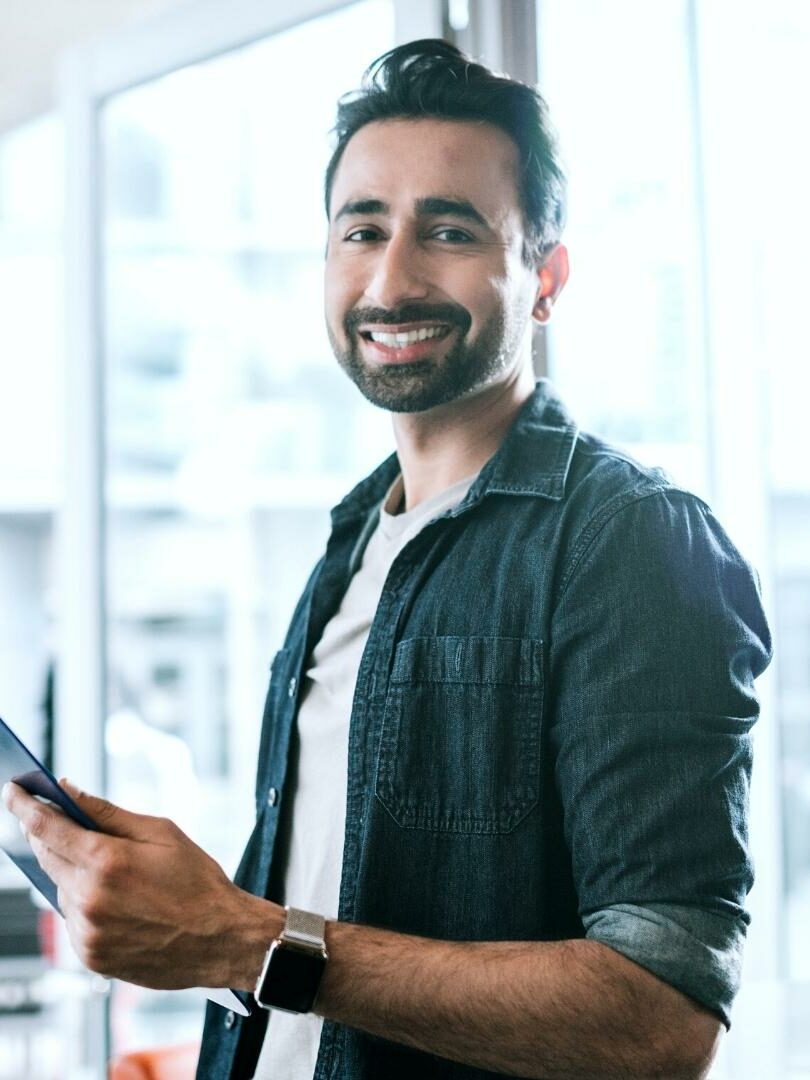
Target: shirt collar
533, 459
535, 456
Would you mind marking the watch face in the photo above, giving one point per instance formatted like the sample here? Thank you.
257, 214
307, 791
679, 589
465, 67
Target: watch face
292, 979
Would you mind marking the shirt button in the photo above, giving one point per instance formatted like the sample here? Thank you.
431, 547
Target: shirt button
272, 797
291, 687
230, 1019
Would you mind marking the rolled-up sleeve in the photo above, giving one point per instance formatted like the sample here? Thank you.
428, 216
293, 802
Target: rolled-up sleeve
695, 950
658, 636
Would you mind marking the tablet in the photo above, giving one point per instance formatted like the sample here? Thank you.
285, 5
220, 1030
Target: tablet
17, 763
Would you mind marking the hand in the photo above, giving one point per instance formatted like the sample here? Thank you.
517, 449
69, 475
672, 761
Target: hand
142, 902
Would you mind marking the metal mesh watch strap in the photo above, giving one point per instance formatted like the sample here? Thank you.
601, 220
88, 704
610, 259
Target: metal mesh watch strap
294, 964
304, 928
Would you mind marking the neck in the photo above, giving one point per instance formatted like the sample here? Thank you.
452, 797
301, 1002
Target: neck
441, 446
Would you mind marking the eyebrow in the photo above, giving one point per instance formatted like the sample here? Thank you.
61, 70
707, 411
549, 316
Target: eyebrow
459, 208
362, 206
431, 206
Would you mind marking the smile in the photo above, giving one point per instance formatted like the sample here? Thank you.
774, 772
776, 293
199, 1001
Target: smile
401, 339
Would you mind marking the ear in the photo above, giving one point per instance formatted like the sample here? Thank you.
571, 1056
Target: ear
552, 274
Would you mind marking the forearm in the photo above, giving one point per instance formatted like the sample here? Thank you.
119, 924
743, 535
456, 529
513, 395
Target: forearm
566, 1010
573, 1009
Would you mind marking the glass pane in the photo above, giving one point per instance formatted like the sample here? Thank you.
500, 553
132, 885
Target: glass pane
626, 340
31, 315
230, 428
35, 1039
782, 249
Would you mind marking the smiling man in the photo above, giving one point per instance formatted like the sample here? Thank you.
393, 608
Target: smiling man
502, 781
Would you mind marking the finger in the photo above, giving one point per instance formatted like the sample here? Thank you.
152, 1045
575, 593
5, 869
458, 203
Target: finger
43, 823
110, 818
59, 869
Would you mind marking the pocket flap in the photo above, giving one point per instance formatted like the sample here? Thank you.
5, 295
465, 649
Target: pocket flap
485, 660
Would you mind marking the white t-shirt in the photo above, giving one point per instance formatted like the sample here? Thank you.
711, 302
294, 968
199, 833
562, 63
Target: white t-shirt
312, 878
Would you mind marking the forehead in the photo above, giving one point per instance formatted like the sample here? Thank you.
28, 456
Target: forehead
399, 161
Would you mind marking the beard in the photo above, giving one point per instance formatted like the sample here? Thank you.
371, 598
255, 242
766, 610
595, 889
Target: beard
424, 384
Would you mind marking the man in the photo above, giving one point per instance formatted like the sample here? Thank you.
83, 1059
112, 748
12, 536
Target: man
506, 744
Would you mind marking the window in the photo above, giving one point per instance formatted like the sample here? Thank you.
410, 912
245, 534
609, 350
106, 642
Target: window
681, 335
31, 432
230, 430
617, 80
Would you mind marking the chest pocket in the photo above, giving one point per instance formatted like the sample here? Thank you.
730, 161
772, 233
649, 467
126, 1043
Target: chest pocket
460, 746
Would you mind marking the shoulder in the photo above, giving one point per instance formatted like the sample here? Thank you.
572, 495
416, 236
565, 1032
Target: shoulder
627, 514
604, 481
646, 562
602, 474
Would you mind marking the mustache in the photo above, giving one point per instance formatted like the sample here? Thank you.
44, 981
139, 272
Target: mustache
452, 314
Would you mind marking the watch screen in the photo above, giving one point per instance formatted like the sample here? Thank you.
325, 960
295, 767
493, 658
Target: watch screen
292, 979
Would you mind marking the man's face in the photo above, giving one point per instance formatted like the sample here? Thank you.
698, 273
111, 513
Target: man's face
428, 297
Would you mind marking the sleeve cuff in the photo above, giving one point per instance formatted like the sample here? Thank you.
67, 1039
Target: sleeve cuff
696, 951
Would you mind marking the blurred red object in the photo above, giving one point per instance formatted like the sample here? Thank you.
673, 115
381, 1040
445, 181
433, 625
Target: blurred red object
46, 931
159, 1063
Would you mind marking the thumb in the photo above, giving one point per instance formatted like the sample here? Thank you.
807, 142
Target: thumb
110, 818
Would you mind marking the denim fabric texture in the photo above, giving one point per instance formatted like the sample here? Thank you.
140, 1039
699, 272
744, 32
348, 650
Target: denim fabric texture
550, 735
696, 950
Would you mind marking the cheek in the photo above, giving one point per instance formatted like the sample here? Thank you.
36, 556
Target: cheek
337, 296
487, 298
345, 280
517, 292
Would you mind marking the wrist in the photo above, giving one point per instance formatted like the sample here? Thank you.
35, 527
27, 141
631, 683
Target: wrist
258, 923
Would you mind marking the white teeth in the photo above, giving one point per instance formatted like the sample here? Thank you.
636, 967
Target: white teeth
399, 341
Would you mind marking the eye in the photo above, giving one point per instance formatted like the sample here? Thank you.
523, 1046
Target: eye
362, 235
451, 235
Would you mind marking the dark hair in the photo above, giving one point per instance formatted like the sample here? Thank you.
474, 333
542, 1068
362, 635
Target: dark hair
431, 78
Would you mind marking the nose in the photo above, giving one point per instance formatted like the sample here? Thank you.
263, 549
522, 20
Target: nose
399, 273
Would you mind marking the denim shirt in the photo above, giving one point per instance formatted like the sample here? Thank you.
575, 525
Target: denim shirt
550, 733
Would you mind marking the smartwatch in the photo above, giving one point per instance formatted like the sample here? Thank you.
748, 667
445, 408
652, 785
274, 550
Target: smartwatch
294, 964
